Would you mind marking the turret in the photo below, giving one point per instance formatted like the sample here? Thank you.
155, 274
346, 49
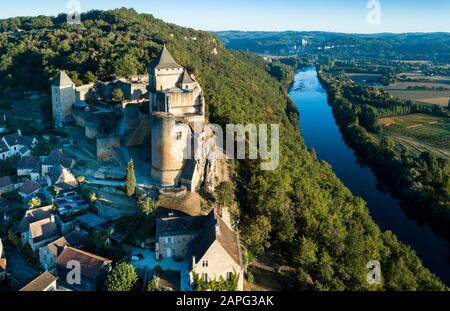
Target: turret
63, 97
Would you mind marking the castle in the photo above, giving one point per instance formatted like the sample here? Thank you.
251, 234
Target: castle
176, 118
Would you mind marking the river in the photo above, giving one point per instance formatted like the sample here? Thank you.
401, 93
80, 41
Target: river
320, 132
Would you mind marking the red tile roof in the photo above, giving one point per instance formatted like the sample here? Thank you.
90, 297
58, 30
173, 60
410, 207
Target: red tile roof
91, 265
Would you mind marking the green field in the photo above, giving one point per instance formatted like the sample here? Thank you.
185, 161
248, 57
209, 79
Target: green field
420, 132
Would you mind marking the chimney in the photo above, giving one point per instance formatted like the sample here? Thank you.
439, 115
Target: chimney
19, 132
217, 227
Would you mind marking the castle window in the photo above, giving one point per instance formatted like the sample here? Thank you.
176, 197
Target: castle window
179, 135
205, 263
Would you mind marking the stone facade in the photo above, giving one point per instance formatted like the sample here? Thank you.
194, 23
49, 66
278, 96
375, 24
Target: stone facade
217, 263
173, 246
177, 108
106, 145
63, 97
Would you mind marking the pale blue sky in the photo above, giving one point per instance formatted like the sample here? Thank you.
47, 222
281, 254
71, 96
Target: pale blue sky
327, 15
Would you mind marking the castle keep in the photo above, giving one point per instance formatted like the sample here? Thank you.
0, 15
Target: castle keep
176, 116
177, 109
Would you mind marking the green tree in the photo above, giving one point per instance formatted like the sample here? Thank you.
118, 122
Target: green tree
122, 278
34, 202
89, 76
13, 238
225, 194
92, 196
146, 204
117, 95
257, 234
153, 285
130, 182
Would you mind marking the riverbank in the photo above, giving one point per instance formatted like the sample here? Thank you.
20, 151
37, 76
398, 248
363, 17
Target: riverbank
419, 181
320, 132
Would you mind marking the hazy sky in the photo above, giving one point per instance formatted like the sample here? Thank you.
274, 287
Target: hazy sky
327, 15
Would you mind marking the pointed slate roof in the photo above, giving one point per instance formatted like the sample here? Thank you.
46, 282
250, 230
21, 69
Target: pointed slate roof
62, 79
186, 78
165, 60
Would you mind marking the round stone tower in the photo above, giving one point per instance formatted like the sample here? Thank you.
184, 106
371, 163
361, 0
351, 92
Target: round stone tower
169, 147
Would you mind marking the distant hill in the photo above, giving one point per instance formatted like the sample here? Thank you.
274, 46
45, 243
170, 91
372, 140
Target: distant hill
407, 46
301, 210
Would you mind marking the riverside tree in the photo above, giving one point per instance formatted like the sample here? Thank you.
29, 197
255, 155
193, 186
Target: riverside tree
130, 182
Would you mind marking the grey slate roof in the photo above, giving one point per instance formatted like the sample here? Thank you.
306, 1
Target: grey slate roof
57, 157
173, 226
92, 220
29, 186
27, 163
32, 216
186, 78
165, 60
62, 79
5, 181
226, 237
17, 139
3, 147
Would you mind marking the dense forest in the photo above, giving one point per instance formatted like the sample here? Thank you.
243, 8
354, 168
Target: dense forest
301, 210
422, 180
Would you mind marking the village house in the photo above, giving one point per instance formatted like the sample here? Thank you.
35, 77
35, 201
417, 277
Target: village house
57, 157
17, 145
94, 269
33, 215
26, 165
41, 232
209, 243
50, 252
53, 169
29, 189
61, 178
46, 282
173, 235
216, 253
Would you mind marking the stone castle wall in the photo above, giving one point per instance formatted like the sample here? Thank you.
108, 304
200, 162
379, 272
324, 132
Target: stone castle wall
106, 145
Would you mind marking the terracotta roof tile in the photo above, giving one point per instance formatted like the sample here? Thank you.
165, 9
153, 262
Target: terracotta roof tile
91, 265
40, 283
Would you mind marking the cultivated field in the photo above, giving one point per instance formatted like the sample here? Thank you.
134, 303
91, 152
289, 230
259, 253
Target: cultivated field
420, 132
440, 98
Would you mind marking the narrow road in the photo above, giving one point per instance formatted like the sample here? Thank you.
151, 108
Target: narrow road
18, 269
